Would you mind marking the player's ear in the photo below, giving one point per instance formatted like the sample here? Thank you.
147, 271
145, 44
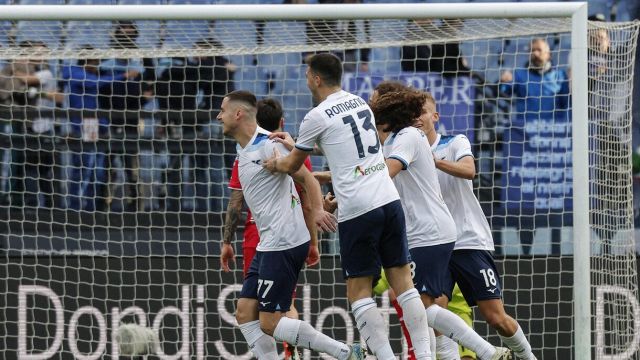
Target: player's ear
436, 116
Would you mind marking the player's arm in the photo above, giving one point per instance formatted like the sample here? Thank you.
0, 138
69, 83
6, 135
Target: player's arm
310, 130
289, 164
464, 168
232, 218
404, 151
285, 139
395, 165
322, 219
314, 253
323, 177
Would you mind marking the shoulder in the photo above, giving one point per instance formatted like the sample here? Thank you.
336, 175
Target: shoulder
410, 133
460, 139
447, 140
314, 115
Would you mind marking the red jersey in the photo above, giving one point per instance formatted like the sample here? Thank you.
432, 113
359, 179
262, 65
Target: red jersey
251, 236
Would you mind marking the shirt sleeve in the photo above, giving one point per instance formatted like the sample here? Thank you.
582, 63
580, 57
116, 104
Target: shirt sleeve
234, 182
270, 147
461, 147
310, 130
405, 147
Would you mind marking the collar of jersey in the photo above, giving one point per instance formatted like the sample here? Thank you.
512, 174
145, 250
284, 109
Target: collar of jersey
258, 137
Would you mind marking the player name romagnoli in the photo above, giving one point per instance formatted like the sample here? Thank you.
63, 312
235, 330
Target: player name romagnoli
345, 106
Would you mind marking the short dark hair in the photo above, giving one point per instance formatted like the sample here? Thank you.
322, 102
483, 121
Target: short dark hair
398, 110
243, 96
269, 114
390, 86
327, 66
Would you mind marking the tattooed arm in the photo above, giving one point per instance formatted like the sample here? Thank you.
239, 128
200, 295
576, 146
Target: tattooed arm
232, 218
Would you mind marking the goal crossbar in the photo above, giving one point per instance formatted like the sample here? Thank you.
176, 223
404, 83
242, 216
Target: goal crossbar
289, 12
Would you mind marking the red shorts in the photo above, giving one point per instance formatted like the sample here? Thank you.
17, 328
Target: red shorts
248, 253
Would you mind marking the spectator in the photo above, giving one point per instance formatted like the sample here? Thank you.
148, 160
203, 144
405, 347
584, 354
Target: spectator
215, 76
323, 32
82, 83
442, 58
215, 81
176, 93
25, 84
121, 97
541, 100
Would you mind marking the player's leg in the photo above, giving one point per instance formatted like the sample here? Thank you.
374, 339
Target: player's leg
507, 327
459, 306
262, 345
433, 279
479, 281
360, 263
428, 269
275, 286
394, 256
290, 351
394, 301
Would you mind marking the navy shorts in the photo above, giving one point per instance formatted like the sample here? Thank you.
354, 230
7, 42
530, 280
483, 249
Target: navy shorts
373, 240
273, 276
476, 275
430, 268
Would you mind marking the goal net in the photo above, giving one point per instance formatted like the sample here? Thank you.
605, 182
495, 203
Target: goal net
114, 172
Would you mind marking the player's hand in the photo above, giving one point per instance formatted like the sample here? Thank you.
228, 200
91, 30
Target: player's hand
283, 138
326, 221
270, 163
226, 254
330, 204
313, 257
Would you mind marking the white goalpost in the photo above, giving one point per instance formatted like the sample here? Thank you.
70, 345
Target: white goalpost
114, 174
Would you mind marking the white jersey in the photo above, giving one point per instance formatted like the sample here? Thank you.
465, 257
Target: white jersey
428, 219
272, 198
344, 128
473, 228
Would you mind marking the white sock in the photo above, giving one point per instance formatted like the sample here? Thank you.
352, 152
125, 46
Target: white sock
262, 345
453, 327
371, 327
415, 318
447, 349
519, 344
302, 334
432, 340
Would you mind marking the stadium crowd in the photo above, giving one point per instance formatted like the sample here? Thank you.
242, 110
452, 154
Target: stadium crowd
144, 136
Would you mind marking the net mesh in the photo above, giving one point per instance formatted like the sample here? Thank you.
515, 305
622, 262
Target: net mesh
114, 172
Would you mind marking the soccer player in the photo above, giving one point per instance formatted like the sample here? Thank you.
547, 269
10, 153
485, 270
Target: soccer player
371, 221
269, 117
471, 265
431, 231
284, 242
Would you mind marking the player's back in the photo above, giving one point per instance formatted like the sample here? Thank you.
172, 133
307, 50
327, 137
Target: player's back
272, 197
428, 219
472, 225
343, 126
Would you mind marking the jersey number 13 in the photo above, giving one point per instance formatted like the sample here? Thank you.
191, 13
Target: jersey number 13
366, 125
